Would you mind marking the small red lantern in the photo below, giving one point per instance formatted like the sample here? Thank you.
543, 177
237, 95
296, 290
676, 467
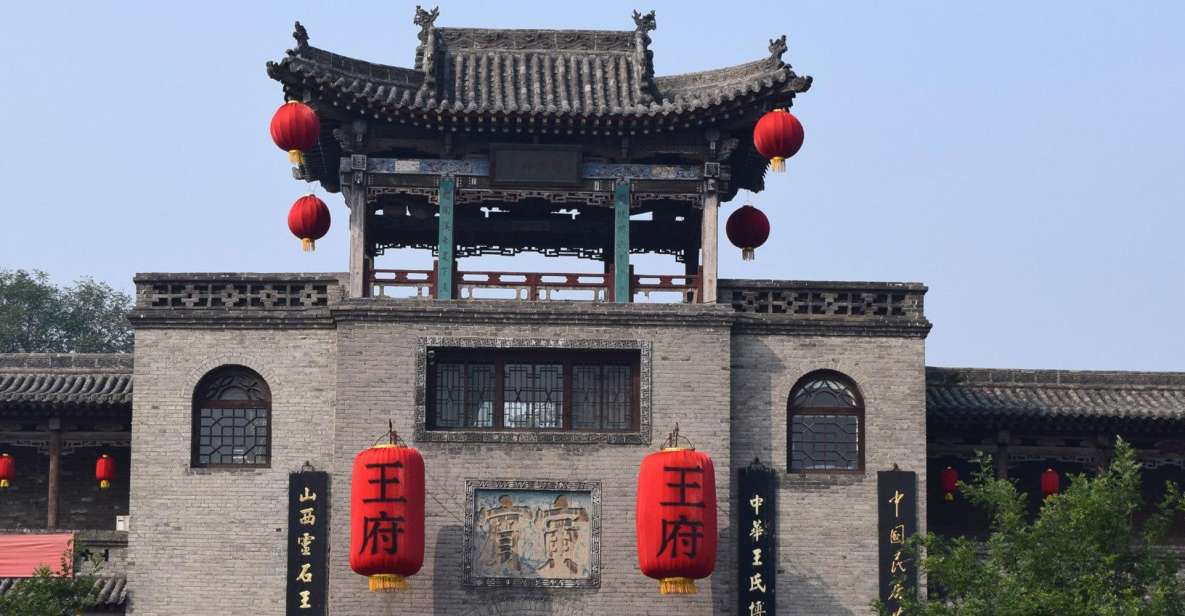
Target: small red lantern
296, 129
7, 469
1051, 483
950, 483
309, 220
387, 515
778, 136
676, 517
105, 471
747, 229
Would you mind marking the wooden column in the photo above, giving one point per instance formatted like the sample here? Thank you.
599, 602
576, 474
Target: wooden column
356, 198
444, 238
55, 472
1001, 458
621, 243
708, 233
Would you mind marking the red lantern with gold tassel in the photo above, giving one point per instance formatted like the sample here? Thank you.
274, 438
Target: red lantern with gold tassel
747, 229
1051, 483
295, 129
387, 515
676, 517
105, 471
7, 469
309, 220
950, 483
778, 136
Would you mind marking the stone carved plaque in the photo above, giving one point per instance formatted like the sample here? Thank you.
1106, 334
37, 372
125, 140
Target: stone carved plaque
533, 533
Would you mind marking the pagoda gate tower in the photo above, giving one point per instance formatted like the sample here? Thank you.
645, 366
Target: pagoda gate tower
495, 142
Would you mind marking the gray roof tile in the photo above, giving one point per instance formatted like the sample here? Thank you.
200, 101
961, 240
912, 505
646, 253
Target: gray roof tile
53, 380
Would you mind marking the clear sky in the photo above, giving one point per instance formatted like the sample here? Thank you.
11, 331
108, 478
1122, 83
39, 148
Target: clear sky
1023, 159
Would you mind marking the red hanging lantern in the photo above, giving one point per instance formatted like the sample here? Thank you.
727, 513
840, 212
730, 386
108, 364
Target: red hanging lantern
1051, 483
676, 518
778, 136
747, 229
950, 483
105, 471
7, 469
387, 515
309, 220
296, 129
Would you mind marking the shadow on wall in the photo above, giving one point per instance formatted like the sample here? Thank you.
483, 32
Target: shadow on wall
452, 598
749, 398
808, 592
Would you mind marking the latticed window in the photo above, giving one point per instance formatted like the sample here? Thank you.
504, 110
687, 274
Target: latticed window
826, 424
232, 409
533, 390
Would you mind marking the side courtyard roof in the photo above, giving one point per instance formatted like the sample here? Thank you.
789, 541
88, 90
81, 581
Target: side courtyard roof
66, 380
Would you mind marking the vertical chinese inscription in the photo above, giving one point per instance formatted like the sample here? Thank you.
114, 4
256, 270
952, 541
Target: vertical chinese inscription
308, 520
757, 541
897, 521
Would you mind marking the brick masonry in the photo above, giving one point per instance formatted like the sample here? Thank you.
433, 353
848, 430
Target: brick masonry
207, 541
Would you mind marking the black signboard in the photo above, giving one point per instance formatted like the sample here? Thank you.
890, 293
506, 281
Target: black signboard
552, 165
757, 541
308, 523
897, 520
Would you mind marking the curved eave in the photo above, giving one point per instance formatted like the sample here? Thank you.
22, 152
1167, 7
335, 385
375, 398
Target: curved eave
399, 95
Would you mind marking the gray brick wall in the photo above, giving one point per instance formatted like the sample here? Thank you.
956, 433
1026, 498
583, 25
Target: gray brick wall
827, 523
213, 541
690, 385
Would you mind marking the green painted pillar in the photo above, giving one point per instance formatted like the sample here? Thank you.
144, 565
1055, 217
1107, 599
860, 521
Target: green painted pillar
621, 243
444, 239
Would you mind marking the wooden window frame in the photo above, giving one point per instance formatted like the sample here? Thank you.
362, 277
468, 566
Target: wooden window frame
199, 403
858, 411
500, 357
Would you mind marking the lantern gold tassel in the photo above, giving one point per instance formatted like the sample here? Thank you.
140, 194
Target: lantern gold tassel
950, 497
308, 244
3, 483
296, 157
748, 254
387, 582
778, 164
677, 586
104, 484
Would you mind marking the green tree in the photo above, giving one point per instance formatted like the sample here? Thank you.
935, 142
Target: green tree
1082, 555
38, 317
50, 593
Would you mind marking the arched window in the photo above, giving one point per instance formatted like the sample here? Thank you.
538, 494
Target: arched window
232, 408
826, 424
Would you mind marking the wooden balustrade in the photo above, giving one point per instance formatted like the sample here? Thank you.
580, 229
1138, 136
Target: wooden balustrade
532, 286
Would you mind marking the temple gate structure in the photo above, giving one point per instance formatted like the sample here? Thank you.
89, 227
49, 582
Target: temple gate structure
532, 396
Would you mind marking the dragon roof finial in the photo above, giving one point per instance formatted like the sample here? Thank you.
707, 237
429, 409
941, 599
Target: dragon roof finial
301, 35
777, 47
426, 19
645, 23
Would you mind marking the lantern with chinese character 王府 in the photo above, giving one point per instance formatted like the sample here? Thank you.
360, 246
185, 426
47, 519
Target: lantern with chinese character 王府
1050, 483
105, 471
295, 129
777, 136
308, 220
747, 229
387, 515
676, 517
7, 469
950, 483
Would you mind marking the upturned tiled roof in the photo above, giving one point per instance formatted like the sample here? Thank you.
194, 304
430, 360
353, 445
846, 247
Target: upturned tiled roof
975, 395
583, 73
58, 380
112, 591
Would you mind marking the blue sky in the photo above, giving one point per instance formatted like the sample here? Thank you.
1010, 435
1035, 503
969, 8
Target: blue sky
1022, 159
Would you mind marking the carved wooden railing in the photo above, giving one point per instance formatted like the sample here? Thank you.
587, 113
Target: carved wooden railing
529, 286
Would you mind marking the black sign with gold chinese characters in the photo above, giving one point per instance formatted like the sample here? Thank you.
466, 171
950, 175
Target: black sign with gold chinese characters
308, 521
897, 508
757, 541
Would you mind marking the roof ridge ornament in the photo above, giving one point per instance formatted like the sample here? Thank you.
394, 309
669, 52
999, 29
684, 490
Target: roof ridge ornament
301, 35
777, 47
645, 23
425, 20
